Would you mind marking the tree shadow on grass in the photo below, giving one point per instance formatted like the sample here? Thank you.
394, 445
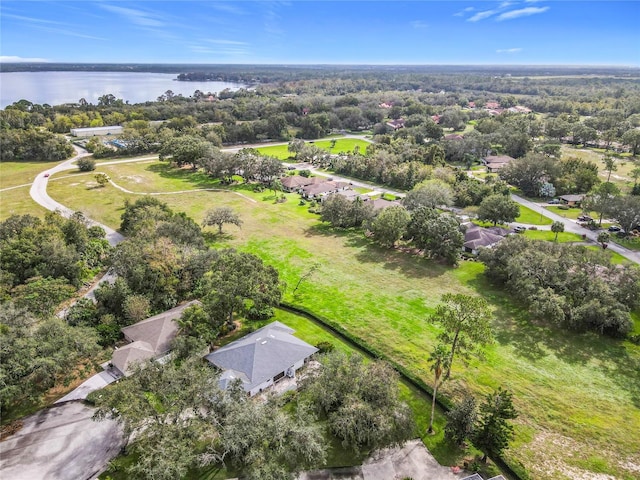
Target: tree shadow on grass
535, 340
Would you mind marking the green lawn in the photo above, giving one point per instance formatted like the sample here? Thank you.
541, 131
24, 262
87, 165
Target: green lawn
632, 243
342, 145
578, 390
18, 202
530, 217
20, 173
549, 236
616, 258
572, 213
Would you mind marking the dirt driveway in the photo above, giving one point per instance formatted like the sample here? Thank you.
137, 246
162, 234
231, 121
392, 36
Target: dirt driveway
60, 443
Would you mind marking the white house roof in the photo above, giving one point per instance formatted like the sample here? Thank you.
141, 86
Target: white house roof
261, 355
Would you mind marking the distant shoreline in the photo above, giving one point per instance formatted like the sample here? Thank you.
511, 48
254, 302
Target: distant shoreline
227, 72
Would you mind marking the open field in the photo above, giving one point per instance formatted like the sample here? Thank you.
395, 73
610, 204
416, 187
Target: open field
576, 390
20, 173
18, 202
530, 217
343, 145
620, 177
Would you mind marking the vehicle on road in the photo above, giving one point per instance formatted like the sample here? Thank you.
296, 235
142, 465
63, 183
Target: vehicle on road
584, 218
554, 201
46, 175
614, 228
519, 229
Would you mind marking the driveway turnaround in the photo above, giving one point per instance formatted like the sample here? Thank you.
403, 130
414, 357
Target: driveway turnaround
60, 443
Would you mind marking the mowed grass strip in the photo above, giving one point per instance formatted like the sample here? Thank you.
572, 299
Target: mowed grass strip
530, 217
581, 386
549, 236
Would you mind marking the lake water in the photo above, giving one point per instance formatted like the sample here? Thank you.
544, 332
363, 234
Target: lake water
56, 88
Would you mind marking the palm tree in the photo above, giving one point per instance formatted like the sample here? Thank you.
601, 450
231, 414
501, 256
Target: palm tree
439, 359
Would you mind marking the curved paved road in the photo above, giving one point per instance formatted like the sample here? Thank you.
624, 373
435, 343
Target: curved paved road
39, 194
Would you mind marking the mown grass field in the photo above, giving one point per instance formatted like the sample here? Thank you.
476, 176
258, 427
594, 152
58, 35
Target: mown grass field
342, 145
572, 213
549, 236
580, 391
20, 173
530, 217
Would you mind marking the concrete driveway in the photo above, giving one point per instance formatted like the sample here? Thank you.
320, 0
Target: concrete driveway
412, 460
60, 443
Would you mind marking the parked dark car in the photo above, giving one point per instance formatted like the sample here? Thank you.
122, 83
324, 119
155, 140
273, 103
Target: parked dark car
519, 229
614, 228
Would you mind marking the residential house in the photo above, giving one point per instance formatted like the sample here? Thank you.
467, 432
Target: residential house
295, 183
319, 190
476, 237
572, 200
262, 358
382, 203
348, 193
453, 136
150, 338
396, 124
495, 163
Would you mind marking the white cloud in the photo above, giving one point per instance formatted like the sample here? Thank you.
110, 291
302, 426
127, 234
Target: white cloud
482, 15
509, 50
523, 12
16, 59
30, 19
227, 42
137, 17
419, 24
227, 8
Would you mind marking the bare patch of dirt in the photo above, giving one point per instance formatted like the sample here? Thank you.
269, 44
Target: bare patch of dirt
7, 430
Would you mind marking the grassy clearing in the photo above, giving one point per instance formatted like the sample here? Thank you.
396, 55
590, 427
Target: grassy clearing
549, 236
13, 174
620, 177
579, 386
18, 202
342, 145
530, 217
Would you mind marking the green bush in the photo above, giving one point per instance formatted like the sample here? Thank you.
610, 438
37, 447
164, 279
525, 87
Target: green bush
563, 207
86, 164
325, 347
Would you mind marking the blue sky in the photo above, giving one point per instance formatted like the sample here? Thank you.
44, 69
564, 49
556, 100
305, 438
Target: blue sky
335, 32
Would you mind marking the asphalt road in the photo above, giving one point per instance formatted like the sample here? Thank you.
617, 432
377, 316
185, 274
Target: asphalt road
60, 443
574, 227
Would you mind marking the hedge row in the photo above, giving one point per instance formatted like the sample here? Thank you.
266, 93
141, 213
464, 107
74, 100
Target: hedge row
443, 402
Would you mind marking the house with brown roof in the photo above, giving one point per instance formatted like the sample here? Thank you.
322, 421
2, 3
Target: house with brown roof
396, 124
476, 237
295, 182
321, 189
150, 338
572, 200
495, 163
382, 203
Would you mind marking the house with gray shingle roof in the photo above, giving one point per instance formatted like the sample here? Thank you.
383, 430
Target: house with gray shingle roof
150, 338
261, 358
476, 237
